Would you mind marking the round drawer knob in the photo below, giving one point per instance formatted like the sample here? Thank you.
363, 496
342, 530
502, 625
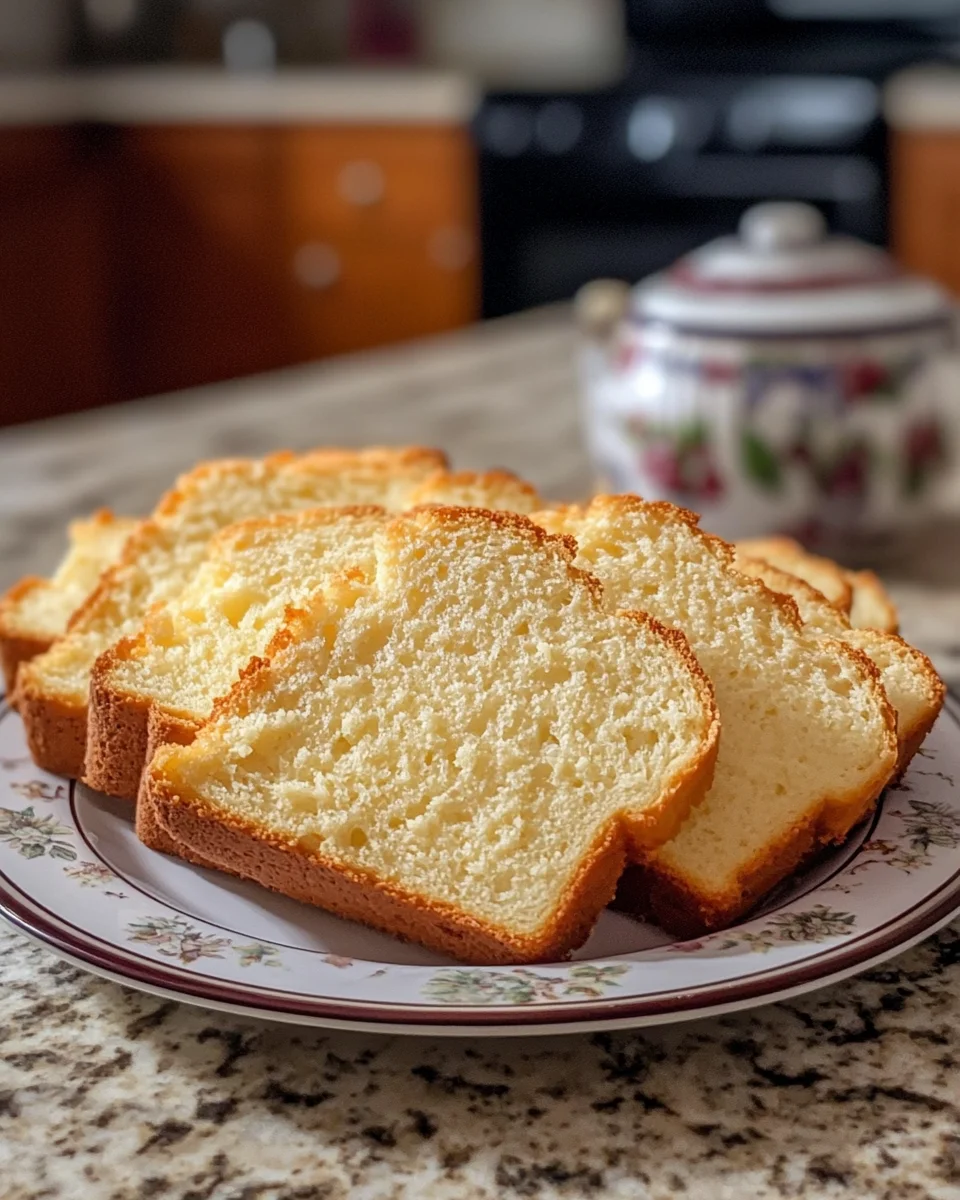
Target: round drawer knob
361, 182
316, 265
450, 248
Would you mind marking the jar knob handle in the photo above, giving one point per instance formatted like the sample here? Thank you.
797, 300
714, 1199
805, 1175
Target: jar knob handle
782, 225
600, 305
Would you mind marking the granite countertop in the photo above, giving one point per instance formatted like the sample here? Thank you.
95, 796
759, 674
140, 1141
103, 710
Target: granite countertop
105, 1092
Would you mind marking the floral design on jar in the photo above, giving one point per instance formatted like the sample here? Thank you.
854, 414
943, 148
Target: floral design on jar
807, 420
679, 459
924, 454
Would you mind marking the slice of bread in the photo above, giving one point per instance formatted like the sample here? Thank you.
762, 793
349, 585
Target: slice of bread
872, 607
498, 490
822, 573
460, 751
164, 551
35, 611
160, 683
809, 738
909, 678
859, 593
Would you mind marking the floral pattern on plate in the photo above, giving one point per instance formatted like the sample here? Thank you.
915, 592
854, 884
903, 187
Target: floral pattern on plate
74, 857
175, 937
519, 985
95, 875
33, 836
812, 925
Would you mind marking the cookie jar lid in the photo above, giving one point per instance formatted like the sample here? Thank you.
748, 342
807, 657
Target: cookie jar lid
784, 274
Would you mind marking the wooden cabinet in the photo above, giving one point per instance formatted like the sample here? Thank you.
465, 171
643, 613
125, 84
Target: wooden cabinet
376, 296
925, 203
148, 258
54, 354
247, 248
198, 276
380, 235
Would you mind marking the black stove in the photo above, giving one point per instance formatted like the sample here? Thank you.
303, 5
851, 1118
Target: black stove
722, 105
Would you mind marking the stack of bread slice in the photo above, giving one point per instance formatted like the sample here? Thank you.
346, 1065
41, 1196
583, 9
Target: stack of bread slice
909, 679
860, 594
35, 611
159, 684
428, 701
162, 553
462, 746
809, 736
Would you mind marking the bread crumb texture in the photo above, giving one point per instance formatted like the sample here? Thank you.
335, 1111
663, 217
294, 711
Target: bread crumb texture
192, 649
163, 552
470, 726
912, 685
807, 733
44, 610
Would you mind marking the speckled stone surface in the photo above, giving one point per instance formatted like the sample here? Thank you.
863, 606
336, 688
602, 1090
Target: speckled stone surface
104, 1092
853, 1092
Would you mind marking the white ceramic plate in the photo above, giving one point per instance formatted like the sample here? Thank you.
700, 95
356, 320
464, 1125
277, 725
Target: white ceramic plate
74, 876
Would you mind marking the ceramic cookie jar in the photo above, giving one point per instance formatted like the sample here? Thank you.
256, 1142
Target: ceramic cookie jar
782, 380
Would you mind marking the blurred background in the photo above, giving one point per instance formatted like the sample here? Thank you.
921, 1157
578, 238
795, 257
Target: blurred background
196, 190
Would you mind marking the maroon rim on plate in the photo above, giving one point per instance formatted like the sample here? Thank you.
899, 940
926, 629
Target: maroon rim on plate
882, 942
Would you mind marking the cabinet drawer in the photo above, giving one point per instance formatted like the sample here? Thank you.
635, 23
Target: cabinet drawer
201, 270
352, 296
367, 184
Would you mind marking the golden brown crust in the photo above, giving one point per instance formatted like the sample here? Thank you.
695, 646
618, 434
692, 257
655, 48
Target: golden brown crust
117, 732
14, 652
483, 481
17, 646
282, 865
100, 516
56, 730
872, 607
788, 585
163, 730
661, 821
911, 736
233, 843
823, 573
56, 724
124, 728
